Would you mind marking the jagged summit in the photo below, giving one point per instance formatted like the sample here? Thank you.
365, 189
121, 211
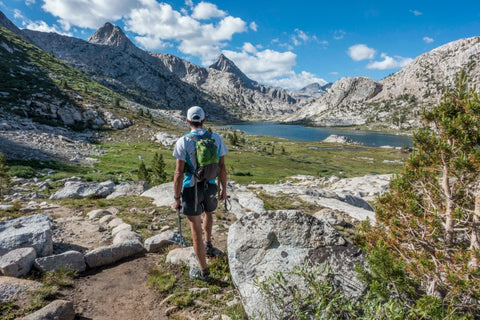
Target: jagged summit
111, 35
226, 65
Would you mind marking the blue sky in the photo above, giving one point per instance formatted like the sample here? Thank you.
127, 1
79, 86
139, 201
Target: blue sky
283, 43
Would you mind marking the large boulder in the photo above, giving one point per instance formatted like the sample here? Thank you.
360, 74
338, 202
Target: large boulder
162, 194
80, 189
17, 262
71, 259
259, 245
31, 231
103, 256
135, 188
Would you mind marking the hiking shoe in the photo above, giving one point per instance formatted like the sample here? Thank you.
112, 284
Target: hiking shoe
197, 274
210, 250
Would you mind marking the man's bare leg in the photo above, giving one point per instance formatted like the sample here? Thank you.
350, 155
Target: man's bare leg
207, 226
198, 247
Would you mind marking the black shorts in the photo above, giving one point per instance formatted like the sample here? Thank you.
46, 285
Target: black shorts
206, 199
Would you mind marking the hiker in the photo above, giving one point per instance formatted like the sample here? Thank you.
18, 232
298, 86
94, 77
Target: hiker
186, 182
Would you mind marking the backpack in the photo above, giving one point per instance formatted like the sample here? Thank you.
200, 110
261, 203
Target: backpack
207, 157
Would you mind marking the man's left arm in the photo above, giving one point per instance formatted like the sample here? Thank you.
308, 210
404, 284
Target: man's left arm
223, 178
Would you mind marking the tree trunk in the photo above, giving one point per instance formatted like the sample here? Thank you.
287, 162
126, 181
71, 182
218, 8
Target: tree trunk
475, 238
448, 207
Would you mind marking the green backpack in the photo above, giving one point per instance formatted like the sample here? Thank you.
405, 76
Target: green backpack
207, 157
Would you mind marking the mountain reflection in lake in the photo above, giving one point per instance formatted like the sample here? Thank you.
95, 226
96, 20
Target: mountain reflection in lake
301, 133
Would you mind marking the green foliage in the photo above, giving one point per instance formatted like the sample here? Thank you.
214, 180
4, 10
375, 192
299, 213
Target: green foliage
182, 299
308, 293
159, 175
160, 280
63, 277
427, 228
5, 181
143, 174
23, 171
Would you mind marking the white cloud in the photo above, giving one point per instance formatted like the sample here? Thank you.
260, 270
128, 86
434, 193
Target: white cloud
159, 23
271, 67
361, 52
253, 26
206, 10
89, 13
248, 47
29, 2
416, 12
17, 14
389, 62
300, 37
44, 27
38, 25
428, 39
189, 3
339, 34
151, 43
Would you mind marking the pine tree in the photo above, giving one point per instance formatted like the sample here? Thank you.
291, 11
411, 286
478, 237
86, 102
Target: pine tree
5, 182
143, 174
429, 220
159, 174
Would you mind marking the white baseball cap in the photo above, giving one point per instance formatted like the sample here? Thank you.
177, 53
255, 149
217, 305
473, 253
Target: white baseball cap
195, 114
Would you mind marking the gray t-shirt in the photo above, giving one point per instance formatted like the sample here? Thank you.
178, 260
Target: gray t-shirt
185, 150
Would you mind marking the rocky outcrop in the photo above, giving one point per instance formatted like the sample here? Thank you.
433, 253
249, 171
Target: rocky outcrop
18, 262
81, 189
260, 245
397, 100
134, 188
342, 103
31, 231
131, 72
240, 95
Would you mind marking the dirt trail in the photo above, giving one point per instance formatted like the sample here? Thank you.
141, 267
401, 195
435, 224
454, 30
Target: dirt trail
117, 292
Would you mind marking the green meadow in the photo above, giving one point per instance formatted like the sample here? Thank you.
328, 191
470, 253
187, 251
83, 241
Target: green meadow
253, 159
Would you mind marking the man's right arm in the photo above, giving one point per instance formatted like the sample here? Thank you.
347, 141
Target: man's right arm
178, 183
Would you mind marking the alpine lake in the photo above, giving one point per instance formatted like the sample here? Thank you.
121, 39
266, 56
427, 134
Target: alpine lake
269, 152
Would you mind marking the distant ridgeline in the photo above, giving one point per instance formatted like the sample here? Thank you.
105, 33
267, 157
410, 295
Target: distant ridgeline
163, 81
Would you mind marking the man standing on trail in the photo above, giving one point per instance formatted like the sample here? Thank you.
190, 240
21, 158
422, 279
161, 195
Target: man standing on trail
194, 196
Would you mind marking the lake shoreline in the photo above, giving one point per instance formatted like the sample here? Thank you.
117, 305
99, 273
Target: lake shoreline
296, 132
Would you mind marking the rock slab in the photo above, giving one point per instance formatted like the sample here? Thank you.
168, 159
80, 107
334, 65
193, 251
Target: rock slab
109, 254
58, 309
80, 189
17, 262
71, 260
31, 231
259, 245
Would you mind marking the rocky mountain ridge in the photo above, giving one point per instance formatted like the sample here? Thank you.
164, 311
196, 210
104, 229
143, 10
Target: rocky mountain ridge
166, 82
157, 80
396, 101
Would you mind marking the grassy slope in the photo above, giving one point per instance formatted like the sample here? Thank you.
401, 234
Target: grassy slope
28, 72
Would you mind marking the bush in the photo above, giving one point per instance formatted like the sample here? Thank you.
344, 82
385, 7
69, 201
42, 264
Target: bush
5, 182
23, 172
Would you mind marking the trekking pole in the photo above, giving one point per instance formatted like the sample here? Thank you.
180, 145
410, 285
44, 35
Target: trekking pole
182, 241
